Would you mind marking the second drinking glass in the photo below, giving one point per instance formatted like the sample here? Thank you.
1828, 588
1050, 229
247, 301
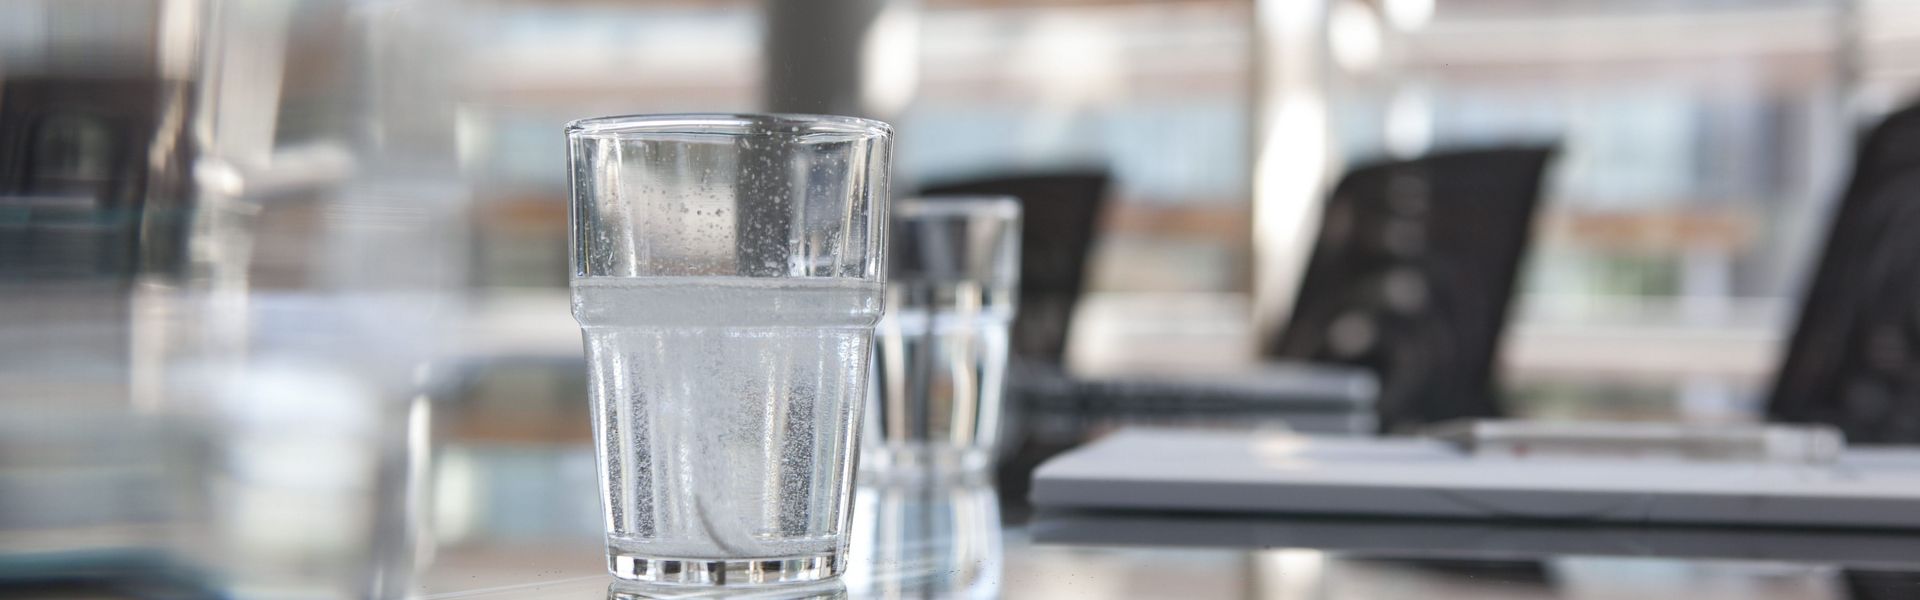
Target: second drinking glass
941, 352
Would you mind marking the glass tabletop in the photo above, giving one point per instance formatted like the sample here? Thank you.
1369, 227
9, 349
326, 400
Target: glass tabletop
520, 521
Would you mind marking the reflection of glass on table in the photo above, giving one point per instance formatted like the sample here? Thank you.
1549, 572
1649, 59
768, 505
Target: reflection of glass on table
941, 352
921, 540
726, 277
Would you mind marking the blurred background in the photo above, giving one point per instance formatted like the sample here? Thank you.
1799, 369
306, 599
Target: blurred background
1701, 146
240, 240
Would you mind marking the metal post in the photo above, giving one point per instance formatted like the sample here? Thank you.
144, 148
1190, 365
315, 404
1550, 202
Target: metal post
1294, 154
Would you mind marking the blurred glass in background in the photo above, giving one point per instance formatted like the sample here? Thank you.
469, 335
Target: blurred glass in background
937, 400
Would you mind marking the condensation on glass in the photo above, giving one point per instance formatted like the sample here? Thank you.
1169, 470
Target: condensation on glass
727, 274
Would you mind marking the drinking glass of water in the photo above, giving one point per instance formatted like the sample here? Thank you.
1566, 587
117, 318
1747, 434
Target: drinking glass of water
941, 352
727, 274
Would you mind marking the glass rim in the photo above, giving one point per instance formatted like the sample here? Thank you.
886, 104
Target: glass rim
822, 128
958, 205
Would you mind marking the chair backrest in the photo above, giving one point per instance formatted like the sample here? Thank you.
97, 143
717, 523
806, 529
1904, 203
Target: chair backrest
93, 177
1061, 213
1411, 276
1854, 358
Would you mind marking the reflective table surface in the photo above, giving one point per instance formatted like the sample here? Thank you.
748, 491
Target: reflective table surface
521, 521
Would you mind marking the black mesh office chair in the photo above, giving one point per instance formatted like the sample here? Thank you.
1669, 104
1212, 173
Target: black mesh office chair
1854, 358
1061, 211
93, 178
1411, 278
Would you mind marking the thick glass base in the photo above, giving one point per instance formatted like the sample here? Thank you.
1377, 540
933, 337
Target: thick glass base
727, 572
915, 462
